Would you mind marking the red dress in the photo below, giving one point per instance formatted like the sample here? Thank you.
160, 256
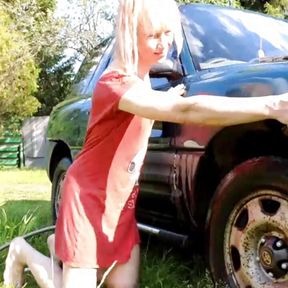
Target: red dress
96, 225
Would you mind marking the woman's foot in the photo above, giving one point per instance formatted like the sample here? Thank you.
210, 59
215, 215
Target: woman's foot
14, 264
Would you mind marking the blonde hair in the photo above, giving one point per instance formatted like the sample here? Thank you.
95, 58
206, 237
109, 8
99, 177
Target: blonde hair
131, 14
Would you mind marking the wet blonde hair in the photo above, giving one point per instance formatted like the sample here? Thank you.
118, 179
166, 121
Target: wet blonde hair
158, 15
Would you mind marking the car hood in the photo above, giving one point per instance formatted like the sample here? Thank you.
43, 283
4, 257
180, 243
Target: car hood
241, 80
245, 79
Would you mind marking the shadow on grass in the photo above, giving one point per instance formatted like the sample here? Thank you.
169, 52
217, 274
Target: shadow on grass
166, 264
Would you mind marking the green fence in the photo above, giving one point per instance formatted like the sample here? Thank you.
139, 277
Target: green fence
11, 152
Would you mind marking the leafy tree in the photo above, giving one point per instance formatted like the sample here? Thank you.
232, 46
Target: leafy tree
18, 74
81, 29
34, 19
54, 82
84, 35
89, 23
278, 8
235, 3
84, 29
36, 22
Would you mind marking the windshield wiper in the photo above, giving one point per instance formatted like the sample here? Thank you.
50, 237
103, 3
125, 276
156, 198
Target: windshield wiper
271, 59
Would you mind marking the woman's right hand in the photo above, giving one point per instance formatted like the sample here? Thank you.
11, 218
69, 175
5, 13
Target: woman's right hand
279, 108
180, 90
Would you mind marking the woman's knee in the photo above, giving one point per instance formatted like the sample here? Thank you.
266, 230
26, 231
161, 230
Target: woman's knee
79, 277
126, 275
123, 278
122, 283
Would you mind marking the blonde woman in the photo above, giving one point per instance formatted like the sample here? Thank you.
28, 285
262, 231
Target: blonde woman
96, 230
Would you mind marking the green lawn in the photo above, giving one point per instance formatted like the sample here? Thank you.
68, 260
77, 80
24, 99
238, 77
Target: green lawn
25, 206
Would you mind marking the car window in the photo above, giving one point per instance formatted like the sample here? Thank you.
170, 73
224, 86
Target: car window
103, 64
158, 82
157, 129
90, 71
225, 36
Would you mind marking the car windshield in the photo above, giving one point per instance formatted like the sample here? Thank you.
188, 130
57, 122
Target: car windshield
224, 36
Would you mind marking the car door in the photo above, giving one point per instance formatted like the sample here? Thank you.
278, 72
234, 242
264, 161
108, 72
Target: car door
157, 202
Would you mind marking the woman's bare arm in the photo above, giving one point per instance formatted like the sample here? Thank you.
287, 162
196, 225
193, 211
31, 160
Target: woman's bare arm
202, 109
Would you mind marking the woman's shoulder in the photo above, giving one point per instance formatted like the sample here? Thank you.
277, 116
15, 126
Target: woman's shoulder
115, 83
117, 76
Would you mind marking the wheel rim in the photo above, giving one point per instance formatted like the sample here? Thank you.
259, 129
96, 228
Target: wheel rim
58, 194
256, 241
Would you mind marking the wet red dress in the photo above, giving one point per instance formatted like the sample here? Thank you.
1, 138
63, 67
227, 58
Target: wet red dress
96, 225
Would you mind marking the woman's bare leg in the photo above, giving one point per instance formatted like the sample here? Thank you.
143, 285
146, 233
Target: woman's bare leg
79, 277
21, 254
126, 275
51, 246
14, 268
73, 277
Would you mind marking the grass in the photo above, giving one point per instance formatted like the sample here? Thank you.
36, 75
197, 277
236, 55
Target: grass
25, 206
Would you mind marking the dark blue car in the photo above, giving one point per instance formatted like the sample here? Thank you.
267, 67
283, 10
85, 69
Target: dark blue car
223, 187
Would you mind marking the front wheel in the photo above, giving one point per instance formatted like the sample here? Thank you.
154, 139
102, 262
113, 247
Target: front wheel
57, 181
248, 227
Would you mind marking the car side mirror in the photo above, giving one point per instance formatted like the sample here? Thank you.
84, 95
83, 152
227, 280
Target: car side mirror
168, 69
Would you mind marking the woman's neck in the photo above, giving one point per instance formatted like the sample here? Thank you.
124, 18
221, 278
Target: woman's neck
143, 70
142, 73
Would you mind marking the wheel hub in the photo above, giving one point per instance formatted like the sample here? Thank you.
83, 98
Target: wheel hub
273, 256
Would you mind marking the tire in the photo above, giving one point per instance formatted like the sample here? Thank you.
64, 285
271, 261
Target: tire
58, 178
248, 228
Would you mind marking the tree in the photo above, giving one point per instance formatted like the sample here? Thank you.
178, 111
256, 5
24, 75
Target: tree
54, 82
49, 38
18, 74
89, 23
235, 3
35, 20
277, 8
83, 33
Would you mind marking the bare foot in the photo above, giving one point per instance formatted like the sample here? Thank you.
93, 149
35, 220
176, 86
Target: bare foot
14, 265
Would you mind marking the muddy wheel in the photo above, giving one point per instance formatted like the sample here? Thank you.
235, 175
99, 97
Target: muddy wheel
248, 227
58, 178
